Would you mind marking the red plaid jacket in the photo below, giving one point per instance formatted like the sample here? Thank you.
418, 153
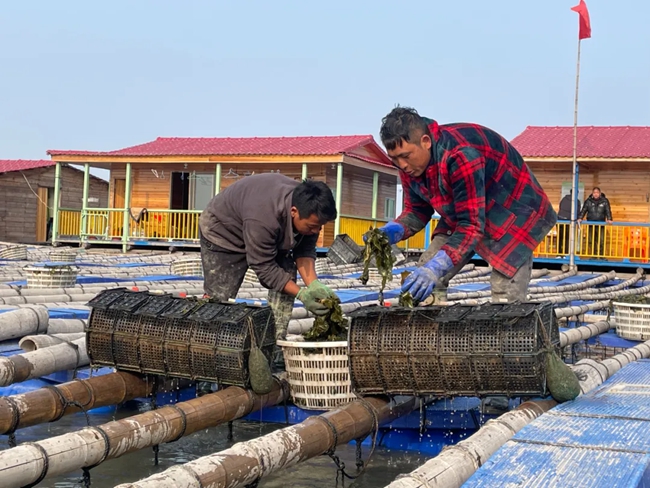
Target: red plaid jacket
488, 199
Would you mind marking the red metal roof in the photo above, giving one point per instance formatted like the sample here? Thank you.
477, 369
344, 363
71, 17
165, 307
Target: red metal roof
593, 142
248, 146
7, 165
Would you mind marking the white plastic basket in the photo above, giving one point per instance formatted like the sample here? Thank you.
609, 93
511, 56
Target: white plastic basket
191, 266
632, 320
251, 277
14, 252
318, 373
63, 256
51, 276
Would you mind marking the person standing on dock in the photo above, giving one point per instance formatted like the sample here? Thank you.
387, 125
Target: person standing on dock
564, 231
270, 223
596, 209
489, 203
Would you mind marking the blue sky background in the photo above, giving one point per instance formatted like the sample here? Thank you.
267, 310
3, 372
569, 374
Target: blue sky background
104, 75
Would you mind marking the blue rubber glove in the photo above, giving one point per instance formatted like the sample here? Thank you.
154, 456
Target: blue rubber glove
421, 282
393, 230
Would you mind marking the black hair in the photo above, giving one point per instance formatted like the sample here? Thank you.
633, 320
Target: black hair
314, 198
597, 188
402, 124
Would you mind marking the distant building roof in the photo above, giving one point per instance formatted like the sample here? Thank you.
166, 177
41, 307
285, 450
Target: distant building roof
249, 146
7, 165
604, 142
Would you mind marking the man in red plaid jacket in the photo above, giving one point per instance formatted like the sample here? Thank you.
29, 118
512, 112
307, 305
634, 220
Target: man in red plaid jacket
488, 199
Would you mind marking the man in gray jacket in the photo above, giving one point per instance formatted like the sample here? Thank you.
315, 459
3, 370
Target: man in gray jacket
270, 223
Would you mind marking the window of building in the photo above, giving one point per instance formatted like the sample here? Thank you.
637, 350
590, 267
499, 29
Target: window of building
389, 208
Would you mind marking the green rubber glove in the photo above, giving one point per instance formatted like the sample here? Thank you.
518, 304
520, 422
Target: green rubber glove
312, 295
319, 290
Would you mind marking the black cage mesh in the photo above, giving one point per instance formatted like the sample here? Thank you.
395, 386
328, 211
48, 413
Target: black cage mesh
176, 337
493, 349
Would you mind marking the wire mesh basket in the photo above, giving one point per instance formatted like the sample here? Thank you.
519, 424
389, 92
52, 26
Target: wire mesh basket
493, 349
177, 337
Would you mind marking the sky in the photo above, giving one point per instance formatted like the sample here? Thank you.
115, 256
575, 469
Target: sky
76, 74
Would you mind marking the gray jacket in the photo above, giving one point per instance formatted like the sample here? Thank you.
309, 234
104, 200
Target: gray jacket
252, 216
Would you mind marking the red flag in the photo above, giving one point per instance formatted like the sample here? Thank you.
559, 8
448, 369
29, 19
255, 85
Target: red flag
585, 23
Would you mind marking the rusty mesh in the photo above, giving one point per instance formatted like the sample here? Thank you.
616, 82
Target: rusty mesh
493, 349
177, 337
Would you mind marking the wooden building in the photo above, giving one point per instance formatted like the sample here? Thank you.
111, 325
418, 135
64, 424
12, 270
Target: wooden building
27, 197
615, 159
174, 179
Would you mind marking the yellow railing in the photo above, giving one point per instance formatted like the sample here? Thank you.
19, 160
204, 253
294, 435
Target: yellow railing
168, 225
69, 222
355, 227
611, 242
108, 224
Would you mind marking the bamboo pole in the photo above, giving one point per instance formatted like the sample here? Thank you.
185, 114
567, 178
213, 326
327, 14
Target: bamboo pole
575, 310
27, 320
573, 336
456, 464
246, 462
26, 463
50, 404
34, 342
29, 365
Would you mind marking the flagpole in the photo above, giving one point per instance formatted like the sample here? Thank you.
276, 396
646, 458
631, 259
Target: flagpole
574, 209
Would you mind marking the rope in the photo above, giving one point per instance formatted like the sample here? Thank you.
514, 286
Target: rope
340, 465
91, 393
183, 416
65, 403
285, 395
107, 447
46, 463
154, 406
15, 420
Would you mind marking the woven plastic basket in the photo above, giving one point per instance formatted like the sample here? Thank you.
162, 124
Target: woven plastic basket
187, 267
318, 373
63, 276
13, 252
632, 320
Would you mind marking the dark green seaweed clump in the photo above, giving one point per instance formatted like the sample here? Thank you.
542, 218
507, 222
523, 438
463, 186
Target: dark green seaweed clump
379, 248
330, 327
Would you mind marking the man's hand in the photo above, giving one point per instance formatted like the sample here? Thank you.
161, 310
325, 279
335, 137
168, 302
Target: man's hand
393, 230
421, 282
610, 221
312, 295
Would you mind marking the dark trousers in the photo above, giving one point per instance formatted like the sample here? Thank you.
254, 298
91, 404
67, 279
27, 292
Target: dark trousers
223, 274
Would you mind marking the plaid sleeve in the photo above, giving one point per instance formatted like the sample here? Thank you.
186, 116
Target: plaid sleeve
466, 174
417, 212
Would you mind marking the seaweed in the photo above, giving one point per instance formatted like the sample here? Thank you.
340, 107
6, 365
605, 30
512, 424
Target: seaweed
406, 300
634, 299
330, 327
378, 247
